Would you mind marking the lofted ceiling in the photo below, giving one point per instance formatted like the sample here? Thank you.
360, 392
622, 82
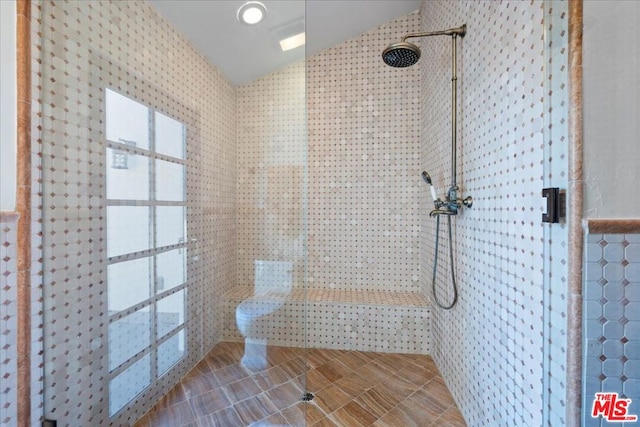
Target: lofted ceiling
244, 53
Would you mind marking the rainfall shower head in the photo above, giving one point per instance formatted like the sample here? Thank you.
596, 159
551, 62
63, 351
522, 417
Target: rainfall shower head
405, 54
401, 54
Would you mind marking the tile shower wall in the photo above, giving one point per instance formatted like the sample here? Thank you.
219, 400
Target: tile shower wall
363, 179
611, 320
364, 165
488, 347
8, 318
84, 48
271, 151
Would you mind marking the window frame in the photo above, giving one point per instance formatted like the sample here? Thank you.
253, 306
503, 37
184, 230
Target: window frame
155, 294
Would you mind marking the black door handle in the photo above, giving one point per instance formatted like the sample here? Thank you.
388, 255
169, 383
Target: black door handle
554, 206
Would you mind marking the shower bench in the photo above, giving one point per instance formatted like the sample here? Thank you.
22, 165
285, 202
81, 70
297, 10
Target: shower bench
381, 321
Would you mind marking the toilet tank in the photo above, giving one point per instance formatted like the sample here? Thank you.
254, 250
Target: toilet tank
273, 277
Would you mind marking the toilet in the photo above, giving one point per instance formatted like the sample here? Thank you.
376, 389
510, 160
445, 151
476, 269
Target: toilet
273, 281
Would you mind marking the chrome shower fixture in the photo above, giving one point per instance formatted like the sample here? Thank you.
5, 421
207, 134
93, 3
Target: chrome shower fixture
450, 207
451, 204
405, 54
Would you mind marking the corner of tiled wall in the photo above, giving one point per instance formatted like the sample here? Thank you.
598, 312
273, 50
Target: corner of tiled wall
363, 194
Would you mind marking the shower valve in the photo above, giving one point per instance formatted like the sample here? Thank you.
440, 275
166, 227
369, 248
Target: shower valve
452, 203
452, 199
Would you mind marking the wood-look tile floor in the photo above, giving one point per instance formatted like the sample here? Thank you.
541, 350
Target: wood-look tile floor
352, 389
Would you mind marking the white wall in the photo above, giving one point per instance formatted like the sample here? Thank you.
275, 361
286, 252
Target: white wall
611, 109
7, 105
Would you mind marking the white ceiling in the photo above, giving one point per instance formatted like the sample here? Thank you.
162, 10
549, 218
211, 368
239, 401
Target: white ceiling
244, 53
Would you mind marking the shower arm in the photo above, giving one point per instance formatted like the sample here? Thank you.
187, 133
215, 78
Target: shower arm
459, 31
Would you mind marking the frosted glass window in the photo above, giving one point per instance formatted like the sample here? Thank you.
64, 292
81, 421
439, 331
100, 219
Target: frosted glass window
170, 351
170, 225
146, 212
170, 313
127, 175
127, 229
128, 336
126, 386
129, 283
169, 181
170, 268
170, 136
126, 120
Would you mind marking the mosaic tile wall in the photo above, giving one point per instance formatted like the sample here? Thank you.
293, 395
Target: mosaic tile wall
126, 46
611, 321
372, 130
364, 165
363, 177
488, 347
271, 152
8, 318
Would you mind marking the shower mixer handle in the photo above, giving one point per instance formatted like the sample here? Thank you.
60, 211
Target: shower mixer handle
451, 204
452, 198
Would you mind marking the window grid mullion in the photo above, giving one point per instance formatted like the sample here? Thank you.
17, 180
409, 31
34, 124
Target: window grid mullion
144, 152
154, 233
147, 302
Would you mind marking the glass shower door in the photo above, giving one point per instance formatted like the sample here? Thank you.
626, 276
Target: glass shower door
556, 164
170, 198
123, 289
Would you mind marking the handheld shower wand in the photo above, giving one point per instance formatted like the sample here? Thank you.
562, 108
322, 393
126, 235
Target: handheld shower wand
427, 179
437, 201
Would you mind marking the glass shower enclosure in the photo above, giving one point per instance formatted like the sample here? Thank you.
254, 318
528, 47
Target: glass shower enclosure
144, 266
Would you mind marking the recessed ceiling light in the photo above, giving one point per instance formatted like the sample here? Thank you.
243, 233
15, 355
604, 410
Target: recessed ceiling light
292, 42
251, 12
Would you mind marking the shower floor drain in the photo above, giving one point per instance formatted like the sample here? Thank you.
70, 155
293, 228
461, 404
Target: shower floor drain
307, 397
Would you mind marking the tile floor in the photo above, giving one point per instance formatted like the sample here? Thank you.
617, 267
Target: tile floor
352, 389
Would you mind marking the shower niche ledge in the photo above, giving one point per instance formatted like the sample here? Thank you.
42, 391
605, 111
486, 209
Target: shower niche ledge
341, 319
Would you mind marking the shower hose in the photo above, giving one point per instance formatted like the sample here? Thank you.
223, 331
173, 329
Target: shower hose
435, 267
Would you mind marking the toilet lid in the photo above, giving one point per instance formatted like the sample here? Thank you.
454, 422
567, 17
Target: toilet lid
256, 306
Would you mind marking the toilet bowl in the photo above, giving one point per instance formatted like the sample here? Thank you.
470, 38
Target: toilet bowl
272, 285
